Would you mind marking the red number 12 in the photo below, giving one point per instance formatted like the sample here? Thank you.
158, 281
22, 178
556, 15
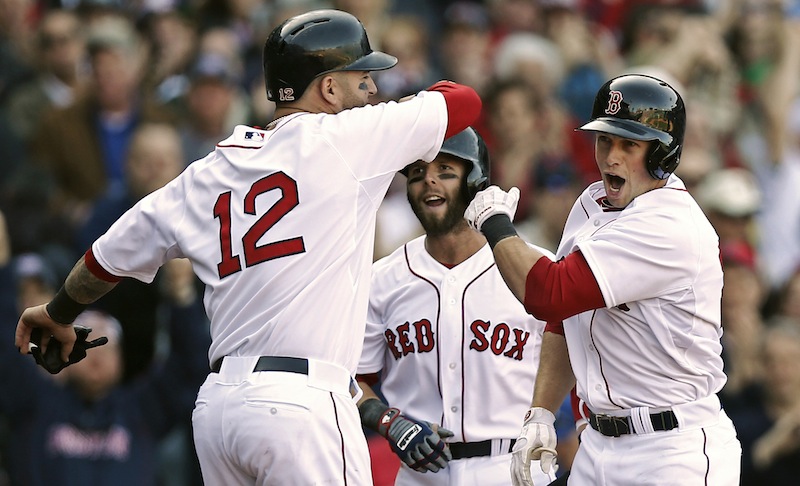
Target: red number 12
253, 253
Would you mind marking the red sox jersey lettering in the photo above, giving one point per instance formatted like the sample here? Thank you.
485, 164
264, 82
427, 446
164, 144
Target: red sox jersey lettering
401, 342
454, 344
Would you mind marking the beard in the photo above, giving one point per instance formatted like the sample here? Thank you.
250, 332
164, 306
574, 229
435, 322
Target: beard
438, 226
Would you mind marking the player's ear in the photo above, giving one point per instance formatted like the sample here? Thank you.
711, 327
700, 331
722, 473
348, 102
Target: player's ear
327, 89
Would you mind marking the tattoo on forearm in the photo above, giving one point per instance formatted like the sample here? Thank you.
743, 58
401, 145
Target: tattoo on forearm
83, 286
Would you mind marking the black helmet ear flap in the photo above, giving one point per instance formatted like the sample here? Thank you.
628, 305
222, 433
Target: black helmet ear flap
661, 162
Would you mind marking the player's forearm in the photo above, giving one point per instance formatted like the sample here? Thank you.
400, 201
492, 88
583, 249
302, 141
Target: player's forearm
515, 259
554, 379
368, 392
83, 286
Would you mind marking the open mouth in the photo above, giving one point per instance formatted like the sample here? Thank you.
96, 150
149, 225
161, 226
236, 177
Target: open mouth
434, 201
615, 182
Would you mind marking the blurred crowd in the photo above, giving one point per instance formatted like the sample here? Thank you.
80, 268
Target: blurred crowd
104, 101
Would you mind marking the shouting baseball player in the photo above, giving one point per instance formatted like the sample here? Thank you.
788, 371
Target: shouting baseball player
456, 351
633, 303
279, 224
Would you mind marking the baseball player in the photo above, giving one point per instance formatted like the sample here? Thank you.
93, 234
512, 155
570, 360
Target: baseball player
456, 351
633, 303
279, 224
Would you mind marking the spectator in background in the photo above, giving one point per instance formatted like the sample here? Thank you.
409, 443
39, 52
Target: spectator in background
173, 40
16, 42
731, 198
768, 417
60, 51
97, 430
514, 16
743, 296
464, 46
86, 142
525, 130
406, 38
214, 104
556, 186
696, 164
154, 158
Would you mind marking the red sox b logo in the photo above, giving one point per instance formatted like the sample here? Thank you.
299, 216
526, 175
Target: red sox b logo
614, 102
418, 337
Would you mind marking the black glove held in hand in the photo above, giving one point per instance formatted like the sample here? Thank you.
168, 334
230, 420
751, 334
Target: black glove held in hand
51, 359
415, 442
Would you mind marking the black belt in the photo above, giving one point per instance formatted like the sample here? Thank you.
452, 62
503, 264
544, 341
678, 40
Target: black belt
611, 426
273, 363
463, 450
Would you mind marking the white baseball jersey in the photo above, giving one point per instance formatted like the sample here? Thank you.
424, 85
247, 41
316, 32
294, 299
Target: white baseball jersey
279, 225
455, 346
657, 342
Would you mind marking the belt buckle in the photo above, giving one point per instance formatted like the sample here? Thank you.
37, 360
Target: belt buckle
611, 425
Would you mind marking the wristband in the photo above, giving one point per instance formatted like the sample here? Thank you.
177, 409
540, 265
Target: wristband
371, 412
497, 227
63, 309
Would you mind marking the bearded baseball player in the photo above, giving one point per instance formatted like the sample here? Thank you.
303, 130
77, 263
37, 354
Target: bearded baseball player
633, 303
456, 351
279, 224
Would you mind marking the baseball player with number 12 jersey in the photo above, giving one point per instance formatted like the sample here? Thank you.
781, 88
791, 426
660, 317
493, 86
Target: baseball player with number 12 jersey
279, 225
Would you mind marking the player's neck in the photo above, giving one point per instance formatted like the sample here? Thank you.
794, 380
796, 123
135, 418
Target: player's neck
453, 248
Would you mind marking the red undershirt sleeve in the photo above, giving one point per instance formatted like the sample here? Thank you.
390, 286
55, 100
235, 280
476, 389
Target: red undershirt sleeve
97, 270
463, 105
370, 379
557, 290
556, 327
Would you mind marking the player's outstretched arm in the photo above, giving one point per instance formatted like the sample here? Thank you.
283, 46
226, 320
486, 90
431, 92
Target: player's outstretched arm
80, 289
418, 443
491, 212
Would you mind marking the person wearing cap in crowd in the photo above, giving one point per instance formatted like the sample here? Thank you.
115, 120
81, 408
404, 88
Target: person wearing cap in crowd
85, 425
730, 198
213, 104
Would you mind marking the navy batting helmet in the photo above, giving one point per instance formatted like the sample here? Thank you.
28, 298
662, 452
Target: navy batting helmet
641, 107
315, 43
468, 146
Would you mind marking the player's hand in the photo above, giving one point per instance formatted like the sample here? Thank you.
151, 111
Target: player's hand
489, 202
38, 318
419, 444
51, 359
537, 440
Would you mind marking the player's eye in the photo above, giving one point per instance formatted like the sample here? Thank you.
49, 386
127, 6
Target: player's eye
415, 174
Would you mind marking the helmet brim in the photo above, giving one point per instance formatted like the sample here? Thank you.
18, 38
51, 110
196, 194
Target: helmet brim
374, 61
626, 129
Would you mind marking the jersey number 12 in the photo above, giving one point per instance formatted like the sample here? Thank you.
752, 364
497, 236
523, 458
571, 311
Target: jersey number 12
253, 253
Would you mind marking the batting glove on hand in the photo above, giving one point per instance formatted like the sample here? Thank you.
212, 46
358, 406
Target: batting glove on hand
51, 359
415, 441
537, 440
489, 202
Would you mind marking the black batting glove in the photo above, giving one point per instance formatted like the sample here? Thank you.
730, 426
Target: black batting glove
51, 359
414, 441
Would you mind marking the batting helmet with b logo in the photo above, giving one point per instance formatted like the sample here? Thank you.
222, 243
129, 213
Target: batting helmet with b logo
641, 107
